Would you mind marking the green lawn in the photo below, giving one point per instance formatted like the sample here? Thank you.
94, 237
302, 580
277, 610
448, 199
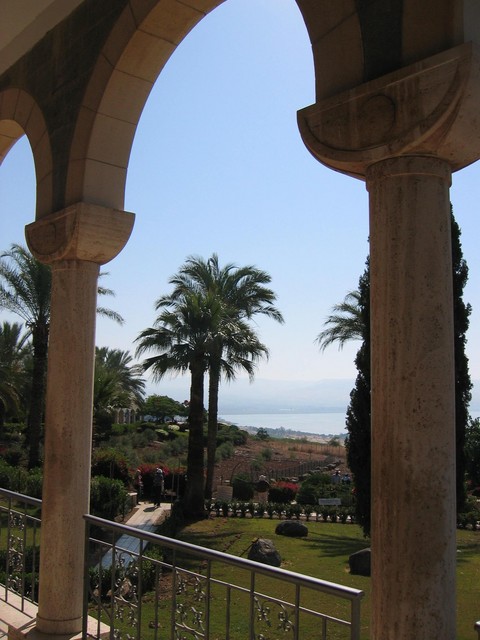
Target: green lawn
324, 554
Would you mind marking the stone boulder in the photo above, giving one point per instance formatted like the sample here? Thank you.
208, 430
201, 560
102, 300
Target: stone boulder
264, 551
292, 529
360, 562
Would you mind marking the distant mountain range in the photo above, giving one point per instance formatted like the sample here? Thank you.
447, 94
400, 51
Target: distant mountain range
278, 396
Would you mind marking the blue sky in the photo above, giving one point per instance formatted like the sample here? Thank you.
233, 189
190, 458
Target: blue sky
218, 166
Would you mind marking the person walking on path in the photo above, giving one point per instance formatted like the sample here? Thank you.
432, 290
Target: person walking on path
138, 483
158, 486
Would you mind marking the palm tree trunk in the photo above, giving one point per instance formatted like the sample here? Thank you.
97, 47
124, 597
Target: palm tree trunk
37, 396
194, 498
213, 386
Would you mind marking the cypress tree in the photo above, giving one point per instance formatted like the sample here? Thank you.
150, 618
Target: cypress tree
358, 419
463, 383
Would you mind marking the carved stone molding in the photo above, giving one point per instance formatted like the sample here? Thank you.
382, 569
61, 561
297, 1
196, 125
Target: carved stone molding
428, 108
80, 232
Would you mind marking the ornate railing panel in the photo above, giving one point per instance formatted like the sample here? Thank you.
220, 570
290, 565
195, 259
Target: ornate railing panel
173, 590
20, 527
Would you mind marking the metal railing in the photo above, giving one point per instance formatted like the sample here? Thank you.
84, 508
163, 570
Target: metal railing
20, 526
176, 590
173, 589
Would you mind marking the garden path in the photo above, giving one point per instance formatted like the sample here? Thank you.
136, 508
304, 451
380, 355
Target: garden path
145, 517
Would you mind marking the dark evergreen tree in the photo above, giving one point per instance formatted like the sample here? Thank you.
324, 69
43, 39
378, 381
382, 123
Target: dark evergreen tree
355, 324
358, 420
463, 383
472, 454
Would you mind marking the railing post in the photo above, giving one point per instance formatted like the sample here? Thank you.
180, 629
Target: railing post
355, 620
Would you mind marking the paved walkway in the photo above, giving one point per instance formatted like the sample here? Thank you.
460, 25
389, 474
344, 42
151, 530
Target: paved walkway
145, 517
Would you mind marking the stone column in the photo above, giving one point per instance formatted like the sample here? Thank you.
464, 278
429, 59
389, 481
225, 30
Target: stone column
413, 403
75, 242
404, 134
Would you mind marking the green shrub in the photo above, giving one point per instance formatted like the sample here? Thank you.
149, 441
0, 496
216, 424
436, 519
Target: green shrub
266, 453
261, 510
176, 448
34, 483
110, 463
231, 433
270, 510
108, 497
242, 487
308, 509
13, 478
15, 456
224, 451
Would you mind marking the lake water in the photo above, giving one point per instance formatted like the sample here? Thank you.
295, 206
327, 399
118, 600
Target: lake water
318, 423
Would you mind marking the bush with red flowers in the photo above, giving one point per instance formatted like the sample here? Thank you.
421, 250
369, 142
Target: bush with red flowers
282, 492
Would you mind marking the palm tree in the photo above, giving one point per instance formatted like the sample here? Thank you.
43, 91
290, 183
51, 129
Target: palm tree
242, 294
344, 324
103, 311
235, 349
25, 289
117, 382
14, 351
181, 338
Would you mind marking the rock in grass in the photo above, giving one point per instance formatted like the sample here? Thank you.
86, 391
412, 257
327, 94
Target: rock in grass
359, 562
264, 551
292, 529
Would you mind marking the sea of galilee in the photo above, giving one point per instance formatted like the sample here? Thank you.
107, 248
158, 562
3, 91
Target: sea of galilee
314, 424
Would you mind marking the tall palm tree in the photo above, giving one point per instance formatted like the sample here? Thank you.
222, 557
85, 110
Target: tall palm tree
242, 294
344, 324
180, 339
117, 382
25, 289
237, 348
14, 351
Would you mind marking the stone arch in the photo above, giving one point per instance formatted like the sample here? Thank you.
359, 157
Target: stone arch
139, 45
19, 115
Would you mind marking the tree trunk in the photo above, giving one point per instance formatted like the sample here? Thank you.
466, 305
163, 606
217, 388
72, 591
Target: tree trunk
2, 418
37, 397
214, 383
194, 498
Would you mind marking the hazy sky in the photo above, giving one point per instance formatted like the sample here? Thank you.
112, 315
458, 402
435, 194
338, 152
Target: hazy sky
218, 166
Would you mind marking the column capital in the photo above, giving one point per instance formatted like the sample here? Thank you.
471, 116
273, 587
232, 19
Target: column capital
429, 108
407, 166
82, 231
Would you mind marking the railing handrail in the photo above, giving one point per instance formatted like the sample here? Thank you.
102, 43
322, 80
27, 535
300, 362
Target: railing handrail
331, 588
20, 497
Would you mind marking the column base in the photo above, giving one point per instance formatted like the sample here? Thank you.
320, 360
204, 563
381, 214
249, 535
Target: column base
18, 624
